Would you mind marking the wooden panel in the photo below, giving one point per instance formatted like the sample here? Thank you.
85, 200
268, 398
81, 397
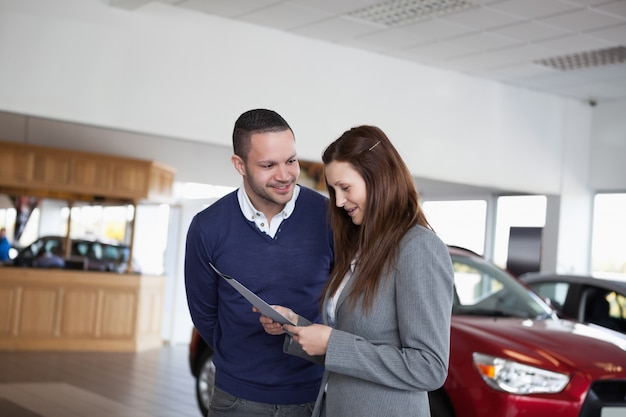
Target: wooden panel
7, 165
88, 173
15, 166
46, 171
79, 310
130, 178
52, 169
38, 311
118, 314
7, 297
161, 182
148, 323
79, 313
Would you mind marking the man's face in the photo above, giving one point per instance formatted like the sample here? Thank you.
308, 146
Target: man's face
271, 171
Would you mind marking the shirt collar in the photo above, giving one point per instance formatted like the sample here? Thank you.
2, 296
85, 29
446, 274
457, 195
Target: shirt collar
252, 213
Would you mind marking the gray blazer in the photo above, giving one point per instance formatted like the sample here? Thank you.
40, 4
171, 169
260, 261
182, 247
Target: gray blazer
383, 363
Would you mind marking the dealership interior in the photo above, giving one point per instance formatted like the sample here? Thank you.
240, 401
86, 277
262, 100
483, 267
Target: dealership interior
116, 123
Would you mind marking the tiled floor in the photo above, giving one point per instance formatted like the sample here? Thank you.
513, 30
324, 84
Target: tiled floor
155, 383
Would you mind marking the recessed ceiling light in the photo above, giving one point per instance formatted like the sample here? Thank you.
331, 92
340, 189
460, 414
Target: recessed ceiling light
397, 12
588, 59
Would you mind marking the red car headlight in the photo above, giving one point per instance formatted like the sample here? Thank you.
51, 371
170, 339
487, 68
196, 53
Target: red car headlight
516, 378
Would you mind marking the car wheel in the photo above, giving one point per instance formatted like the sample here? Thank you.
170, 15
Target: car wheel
205, 381
440, 404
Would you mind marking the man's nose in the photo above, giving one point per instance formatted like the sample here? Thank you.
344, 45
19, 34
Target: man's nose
282, 173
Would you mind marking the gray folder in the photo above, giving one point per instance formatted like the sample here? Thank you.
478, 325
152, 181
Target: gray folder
256, 301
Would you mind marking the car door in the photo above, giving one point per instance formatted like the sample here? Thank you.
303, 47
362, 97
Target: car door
604, 307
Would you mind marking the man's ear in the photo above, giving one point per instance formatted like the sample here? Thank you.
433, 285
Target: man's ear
238, 164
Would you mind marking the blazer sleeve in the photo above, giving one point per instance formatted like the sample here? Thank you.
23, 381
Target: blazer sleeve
293, 348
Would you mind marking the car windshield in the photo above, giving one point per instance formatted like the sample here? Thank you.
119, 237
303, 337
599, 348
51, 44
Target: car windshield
482, 289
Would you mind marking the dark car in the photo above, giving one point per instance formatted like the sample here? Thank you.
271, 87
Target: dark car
202, 369
93, 255
601, 301
511, 355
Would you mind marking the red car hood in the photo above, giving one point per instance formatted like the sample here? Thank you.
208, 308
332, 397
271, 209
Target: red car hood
558, 345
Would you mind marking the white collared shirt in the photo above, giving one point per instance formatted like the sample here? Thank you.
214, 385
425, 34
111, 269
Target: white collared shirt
331, 306
254, 215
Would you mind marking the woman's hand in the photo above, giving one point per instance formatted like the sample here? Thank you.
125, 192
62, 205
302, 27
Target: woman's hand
273, 327
313, 338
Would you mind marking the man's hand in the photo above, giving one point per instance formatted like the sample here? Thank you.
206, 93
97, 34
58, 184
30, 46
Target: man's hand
273, 327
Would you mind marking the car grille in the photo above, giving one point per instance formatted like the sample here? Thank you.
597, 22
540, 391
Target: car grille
610, 393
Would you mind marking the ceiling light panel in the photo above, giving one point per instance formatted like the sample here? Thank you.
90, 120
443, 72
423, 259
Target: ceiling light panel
399, 12
596, 58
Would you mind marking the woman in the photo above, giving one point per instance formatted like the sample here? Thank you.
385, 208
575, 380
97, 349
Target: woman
387, 304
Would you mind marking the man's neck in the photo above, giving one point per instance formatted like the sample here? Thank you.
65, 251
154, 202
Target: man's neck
267, 208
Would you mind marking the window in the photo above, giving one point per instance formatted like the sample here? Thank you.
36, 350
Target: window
618, 305
7, 216
482, 289
555, 291
473, 285
605, 308
459, 223
608, 257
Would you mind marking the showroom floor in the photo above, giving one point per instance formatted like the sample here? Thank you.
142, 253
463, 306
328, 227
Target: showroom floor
155, 383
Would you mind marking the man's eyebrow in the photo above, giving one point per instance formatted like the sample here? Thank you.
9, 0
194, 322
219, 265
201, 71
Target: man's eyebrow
271, 161
294, 156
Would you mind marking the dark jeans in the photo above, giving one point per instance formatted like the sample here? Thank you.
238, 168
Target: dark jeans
225, 405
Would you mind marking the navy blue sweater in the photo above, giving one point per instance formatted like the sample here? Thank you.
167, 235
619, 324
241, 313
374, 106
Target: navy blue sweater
289, 269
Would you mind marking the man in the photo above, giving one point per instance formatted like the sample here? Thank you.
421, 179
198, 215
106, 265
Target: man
271, 235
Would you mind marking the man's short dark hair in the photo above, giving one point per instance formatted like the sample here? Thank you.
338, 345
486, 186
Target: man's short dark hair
255, 121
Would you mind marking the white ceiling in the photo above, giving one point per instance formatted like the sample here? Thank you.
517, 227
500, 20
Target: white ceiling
500, 40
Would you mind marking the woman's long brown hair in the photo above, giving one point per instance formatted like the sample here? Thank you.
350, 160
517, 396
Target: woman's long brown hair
392, 208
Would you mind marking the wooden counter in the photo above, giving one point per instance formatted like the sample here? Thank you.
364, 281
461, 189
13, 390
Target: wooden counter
56, 309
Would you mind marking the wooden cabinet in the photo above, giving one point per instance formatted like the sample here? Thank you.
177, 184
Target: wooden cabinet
72, 310
46, 171
49, 309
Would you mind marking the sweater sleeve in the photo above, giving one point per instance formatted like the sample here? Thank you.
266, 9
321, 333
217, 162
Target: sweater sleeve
200, 283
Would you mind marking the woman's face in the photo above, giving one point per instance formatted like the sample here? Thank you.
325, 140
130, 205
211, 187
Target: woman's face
350, 190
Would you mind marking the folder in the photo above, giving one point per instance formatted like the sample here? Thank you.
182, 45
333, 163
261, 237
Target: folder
254, 299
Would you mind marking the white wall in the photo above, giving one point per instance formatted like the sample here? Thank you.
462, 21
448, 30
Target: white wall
608, 153
574, 238
177, 73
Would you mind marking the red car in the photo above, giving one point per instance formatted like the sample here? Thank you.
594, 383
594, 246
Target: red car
511, 356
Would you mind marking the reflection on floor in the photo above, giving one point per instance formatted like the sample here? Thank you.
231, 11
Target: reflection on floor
155, 383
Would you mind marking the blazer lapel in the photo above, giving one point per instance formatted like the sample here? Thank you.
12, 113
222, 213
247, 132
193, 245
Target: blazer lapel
343, 296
